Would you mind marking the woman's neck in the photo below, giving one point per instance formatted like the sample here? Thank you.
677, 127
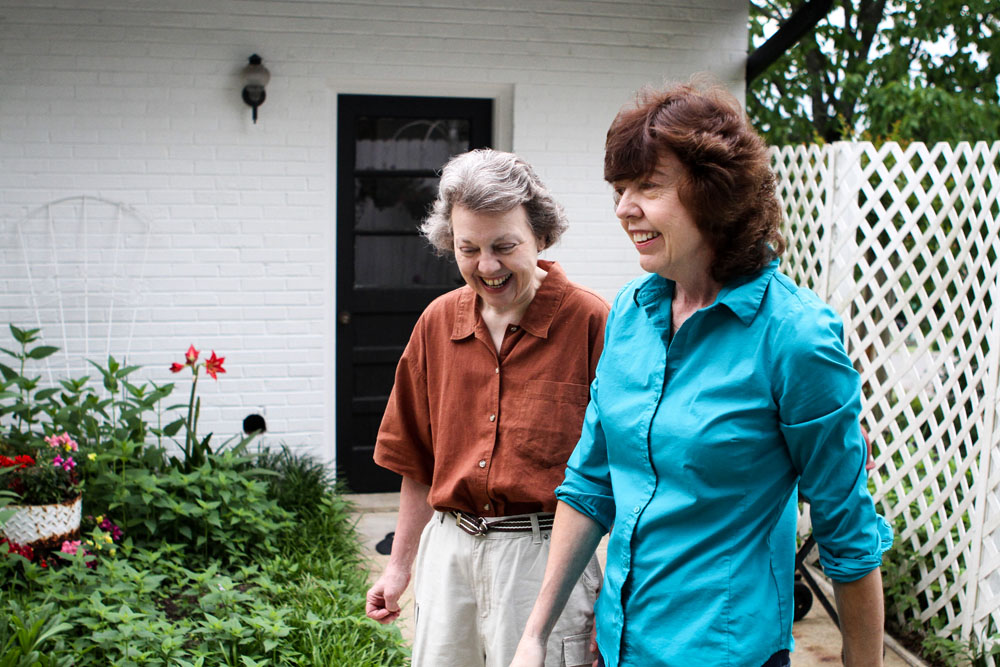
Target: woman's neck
691, 295
497, 321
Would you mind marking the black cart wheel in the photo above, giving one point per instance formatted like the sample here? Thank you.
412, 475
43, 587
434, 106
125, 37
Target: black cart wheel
803, 600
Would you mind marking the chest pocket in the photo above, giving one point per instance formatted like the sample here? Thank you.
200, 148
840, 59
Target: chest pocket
549, 416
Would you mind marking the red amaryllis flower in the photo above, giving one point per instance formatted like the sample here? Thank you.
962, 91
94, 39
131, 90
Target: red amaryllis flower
214, 365
176, 367
191, 355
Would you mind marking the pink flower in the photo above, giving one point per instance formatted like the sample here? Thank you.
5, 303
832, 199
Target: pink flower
69, 464
64, 441
70, 547
58, 461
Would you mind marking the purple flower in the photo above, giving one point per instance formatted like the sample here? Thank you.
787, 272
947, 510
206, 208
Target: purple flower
116, 532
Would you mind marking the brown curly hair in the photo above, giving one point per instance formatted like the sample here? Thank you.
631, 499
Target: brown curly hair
728, 186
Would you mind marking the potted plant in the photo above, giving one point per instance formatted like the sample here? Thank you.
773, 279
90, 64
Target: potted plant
46, 485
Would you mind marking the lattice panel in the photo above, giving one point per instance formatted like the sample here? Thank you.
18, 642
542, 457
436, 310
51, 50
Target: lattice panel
903, 243
802, 177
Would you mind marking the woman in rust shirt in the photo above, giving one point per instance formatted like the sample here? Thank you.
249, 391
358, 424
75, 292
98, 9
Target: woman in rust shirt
487, 405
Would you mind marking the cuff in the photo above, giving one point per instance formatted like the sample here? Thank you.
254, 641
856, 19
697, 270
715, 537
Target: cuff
598, 506
852, 569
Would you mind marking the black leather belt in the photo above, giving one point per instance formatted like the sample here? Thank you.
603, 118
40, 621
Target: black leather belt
480, 525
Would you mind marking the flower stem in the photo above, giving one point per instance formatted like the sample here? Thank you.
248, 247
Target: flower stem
191, 421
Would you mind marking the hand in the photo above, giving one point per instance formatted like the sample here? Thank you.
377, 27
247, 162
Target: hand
382, 600
530, 653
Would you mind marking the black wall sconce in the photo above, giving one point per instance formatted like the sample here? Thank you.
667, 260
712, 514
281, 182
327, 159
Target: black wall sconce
255, 77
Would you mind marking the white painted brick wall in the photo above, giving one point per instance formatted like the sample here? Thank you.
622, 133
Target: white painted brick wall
138, 103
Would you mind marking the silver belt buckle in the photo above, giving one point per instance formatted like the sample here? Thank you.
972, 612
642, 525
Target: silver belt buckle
473, 525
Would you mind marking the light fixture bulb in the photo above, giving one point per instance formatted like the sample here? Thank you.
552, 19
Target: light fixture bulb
255, 78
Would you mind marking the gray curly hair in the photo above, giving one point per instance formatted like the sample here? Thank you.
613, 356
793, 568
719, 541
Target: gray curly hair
489, 180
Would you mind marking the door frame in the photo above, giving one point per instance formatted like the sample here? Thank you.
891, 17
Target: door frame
502, 131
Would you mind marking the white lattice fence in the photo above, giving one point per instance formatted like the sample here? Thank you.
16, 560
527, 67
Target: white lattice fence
903, 243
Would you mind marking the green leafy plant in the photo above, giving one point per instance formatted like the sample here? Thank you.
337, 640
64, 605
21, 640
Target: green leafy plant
216, 508
29, 638
974, 653
227, 557
21, 393
6, 498
299, 482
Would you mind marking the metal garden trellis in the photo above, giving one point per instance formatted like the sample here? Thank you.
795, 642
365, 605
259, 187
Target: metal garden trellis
903, 243
80, 279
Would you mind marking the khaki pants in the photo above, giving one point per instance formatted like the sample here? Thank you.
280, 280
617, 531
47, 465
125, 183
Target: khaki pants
473, 595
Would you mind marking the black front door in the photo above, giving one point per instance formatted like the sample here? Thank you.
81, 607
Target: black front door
391, 150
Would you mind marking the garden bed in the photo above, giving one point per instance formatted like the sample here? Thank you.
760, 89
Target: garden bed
188, 556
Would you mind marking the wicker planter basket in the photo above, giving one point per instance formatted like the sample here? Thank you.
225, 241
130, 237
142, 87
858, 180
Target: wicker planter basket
44, 525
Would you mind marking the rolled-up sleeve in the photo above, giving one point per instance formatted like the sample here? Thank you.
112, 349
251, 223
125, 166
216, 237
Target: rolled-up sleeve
818, 394
587, 485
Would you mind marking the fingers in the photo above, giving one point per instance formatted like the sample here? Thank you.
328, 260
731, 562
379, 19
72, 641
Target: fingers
380, 606
383, 616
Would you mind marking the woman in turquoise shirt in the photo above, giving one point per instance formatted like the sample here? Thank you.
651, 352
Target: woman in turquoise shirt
722, 386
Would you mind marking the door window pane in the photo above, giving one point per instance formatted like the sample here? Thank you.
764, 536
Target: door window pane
408, 143
400, 262
392, 203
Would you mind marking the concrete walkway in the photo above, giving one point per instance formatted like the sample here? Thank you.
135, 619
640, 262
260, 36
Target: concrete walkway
817, 639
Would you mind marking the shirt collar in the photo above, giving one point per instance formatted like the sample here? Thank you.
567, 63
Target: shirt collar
536, 320
742, 295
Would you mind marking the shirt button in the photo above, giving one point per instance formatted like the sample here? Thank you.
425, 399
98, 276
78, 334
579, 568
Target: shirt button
496, 370
636, 509
513, 328
493, 418
486, 506
482, 464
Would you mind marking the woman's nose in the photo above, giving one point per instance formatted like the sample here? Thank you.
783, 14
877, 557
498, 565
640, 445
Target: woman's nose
488, 263
626, 206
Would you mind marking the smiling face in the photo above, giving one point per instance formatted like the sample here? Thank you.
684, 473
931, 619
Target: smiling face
660, 225
497, 254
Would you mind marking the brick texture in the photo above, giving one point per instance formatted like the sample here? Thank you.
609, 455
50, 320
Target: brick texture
200, 227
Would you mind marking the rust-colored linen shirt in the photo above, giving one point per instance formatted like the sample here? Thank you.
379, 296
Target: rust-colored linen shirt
490, 432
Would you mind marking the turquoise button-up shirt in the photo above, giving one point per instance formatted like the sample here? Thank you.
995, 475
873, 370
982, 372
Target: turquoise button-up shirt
690, 454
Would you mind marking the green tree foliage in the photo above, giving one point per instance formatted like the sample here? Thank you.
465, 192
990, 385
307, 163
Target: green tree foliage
918, 70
